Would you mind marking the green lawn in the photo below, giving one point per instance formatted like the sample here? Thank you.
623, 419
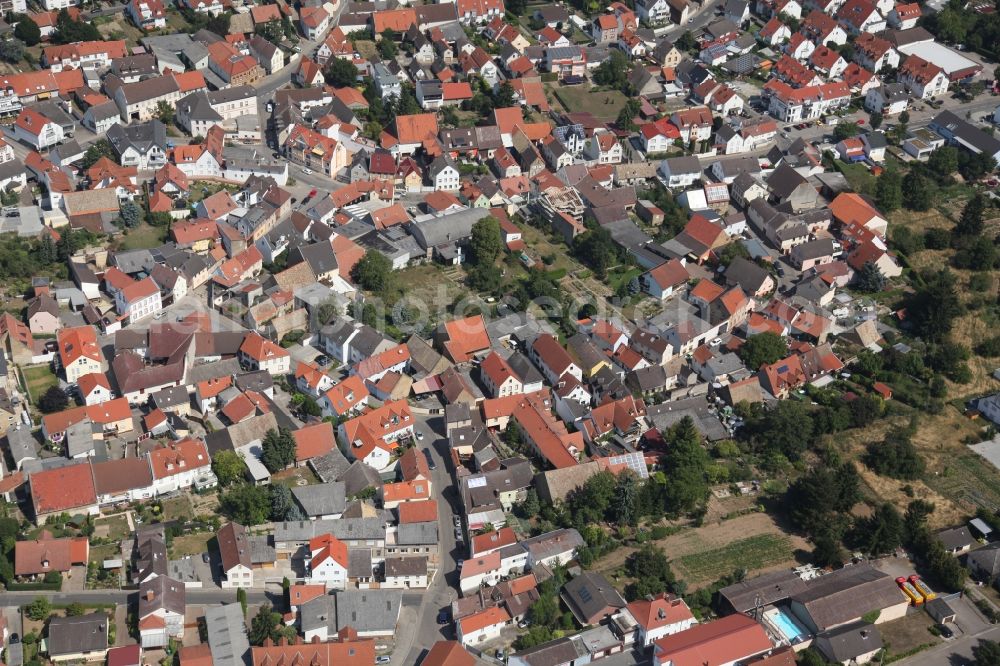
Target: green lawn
107, 551
968, 480
38, 379
756, 552
143, 237
202, 188
604, 105
115, 527
860, 179
191, 544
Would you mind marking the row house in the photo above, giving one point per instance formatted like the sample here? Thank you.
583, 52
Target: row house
147, 14
874, 53
793, 105
821, 28
316, 151
861, 16
138, 101
233, 67
923, 79
85, 55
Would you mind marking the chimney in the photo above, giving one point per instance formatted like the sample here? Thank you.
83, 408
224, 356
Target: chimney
149, 595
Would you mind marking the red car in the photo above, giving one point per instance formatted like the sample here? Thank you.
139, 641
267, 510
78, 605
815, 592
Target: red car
312, 192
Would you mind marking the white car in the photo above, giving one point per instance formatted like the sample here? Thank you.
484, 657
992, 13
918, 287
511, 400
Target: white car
716, 342
420, 436
307, 170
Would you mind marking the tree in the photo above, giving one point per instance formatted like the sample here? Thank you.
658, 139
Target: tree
596, 249
97, 150
904, 117
53, 400
870, 278
219, 24
278, 449
845, 131
623, 504
917, 192
504, 96
68, 31
686, 41
11, 50
282, 502
895, 456
819, 501
986, 653
827, 552
612, 72
28, 31
787, 429
881, 533
228, 467
248, 505
875, 120
889, 191
943, 162
241, 597
387, 45
39, 609
373, 272
485, 278
486, 243
264, 625
75, 609
684, 463
130, 213
626, 117
340, 73
934, 306
651, 570
165, 113
971, 221
865, 410
763, 349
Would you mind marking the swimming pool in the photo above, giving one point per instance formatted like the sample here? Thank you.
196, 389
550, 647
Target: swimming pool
786, 625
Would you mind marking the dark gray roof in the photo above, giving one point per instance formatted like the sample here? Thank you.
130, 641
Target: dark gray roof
406, 566
847, 594
986, 559
321, 499
958, 537
142, 137
22, 444
845, 643
358, 477
345, 529
965, 132
330, 466
417, 534
768, 589
359, 563
227, 635
161, 593
747, 274
368, 611
73, 635
589, 594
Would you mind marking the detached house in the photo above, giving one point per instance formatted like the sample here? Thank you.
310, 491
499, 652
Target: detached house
923, 79
258, 353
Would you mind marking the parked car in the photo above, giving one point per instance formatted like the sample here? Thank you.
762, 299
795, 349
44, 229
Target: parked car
382, 659
459, 563
444, 617
307, 171
205, 558
945, 631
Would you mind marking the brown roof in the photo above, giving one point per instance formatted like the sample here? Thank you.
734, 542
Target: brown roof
115, 476
234, 546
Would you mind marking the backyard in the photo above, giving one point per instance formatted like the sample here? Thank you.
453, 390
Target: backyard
604, 105
38, 378
142, 237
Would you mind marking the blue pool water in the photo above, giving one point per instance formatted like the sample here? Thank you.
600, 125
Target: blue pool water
786, 626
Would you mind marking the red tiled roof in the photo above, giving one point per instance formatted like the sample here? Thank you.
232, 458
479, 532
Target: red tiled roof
63, 489
314, 440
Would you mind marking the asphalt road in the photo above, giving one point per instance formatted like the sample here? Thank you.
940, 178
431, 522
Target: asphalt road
194, 596
425, 630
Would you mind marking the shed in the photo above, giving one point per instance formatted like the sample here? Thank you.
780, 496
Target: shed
980, 527
940, 611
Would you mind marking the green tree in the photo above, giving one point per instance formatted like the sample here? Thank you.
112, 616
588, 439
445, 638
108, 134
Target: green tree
165, 113
219, 24
53, 400
246, 504
904, 117
845, 130
373, 272
130, 214
685, 463
934, 306
870, 278
485, 278
39, 609
651, 570
686, 42
626, 117
986, 653
612, 72
228, 467
943, 162
895, 456
387, 45
917, 192
68, 30
787, 428
283, 505
340, 73
624, 504
596, 249
11, 50
875, 120
504, 96
973, 214
486, 243
889, 191
763, 349
75, 609
278, 449
28, 31
881, 533
97, 150
819, 501
241, 598
264, 625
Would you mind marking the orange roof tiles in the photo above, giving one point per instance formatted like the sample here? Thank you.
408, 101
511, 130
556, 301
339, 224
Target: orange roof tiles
63, 489
424, 511
312, 441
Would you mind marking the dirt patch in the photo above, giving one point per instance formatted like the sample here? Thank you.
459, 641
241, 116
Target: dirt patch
907, 633
714, 537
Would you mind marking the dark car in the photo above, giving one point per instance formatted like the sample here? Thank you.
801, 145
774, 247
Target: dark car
205, 558
14, 638
430, 460
945, 631
444, 617
781, 271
